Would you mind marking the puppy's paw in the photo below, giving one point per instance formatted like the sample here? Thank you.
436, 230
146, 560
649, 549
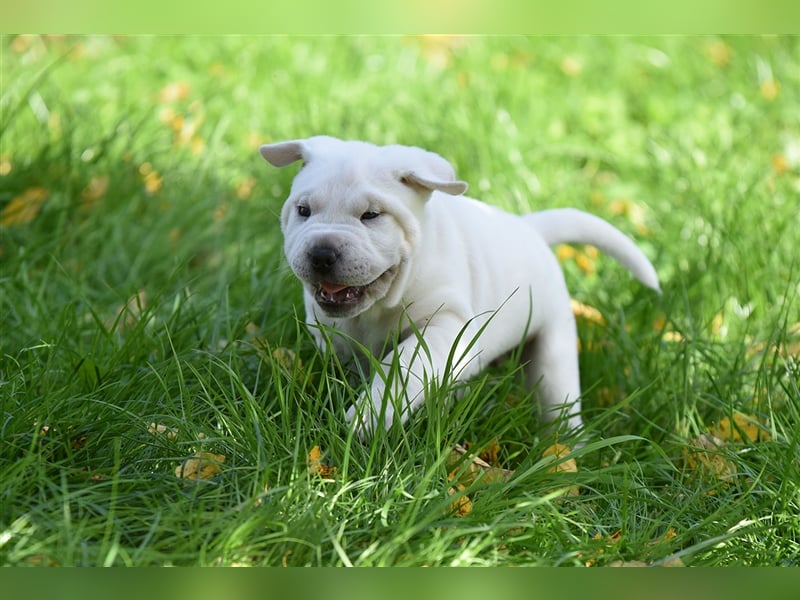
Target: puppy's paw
363, 425
364, 417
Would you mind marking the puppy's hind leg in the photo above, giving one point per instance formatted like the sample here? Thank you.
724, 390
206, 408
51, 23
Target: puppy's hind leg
551, 366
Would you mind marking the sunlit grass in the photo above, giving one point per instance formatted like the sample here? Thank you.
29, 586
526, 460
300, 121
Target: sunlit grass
148, 316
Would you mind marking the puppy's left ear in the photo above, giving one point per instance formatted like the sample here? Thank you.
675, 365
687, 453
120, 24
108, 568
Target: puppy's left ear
415, 179
282, 154
425, 171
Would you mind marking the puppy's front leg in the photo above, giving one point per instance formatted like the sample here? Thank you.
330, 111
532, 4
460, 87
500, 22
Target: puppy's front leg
448, 349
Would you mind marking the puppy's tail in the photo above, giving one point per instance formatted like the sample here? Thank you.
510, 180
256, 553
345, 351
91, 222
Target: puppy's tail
564, 225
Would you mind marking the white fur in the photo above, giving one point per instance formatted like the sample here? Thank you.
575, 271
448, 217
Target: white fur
449, 265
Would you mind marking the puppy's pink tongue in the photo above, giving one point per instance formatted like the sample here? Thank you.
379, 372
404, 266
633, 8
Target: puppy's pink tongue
332, 288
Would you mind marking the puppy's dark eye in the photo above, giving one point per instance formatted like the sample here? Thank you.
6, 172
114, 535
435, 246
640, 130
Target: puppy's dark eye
369, 215
303, 211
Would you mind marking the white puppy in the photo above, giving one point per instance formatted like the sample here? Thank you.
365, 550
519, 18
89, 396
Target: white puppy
385, 245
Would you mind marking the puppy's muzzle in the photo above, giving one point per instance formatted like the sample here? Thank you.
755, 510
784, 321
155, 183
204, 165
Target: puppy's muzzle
335, 298
323, 258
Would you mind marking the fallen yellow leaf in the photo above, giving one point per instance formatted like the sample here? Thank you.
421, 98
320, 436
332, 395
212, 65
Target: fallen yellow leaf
585, 263
438, 50
174, 92
462, 505
315, 466
570, 465
245, 187
563, 252
491, 454
557, 451
203, 465
586, 312
716, 324
705, 454
41, 560
770, 89
287, 358
475, 468
23, 208
254, 140
5, 165
672, 336
152, 182
627, 563
780, 164
719, 52
739, 428
671, 562
157, 429
571, 66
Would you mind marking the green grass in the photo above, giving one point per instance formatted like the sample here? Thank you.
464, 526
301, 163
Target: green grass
689, 144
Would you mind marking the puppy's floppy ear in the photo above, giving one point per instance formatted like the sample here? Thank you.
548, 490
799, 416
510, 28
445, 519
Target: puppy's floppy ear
281, 154
415, 179
427, 170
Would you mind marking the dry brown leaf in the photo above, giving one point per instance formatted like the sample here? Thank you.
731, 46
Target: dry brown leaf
704, 453
770, 89
740, 428
244, 189
790, 348
287, 358
672, 336
285, 558
570, 465
672, 562
315, 466
203, 465
571, 66
78, 442
491, 454
477, 468
41, 560
23, 208
557, 451
716, 324
586, 312
158, 429
719, 52
627, 563
564, 252
585, 263
174, 92
462, 505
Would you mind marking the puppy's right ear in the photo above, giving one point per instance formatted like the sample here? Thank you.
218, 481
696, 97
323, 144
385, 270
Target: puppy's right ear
281, 154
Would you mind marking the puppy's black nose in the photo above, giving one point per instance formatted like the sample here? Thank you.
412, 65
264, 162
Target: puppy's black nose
322, 258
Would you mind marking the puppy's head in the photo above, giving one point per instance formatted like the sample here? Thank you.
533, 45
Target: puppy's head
351, 222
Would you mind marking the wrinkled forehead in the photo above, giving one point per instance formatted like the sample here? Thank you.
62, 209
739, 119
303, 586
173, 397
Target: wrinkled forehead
342, 176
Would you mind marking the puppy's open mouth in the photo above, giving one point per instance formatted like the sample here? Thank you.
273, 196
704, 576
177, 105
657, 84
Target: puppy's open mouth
336, 297
334, 294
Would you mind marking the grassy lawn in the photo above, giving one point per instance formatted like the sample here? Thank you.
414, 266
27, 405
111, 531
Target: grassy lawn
147, 315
